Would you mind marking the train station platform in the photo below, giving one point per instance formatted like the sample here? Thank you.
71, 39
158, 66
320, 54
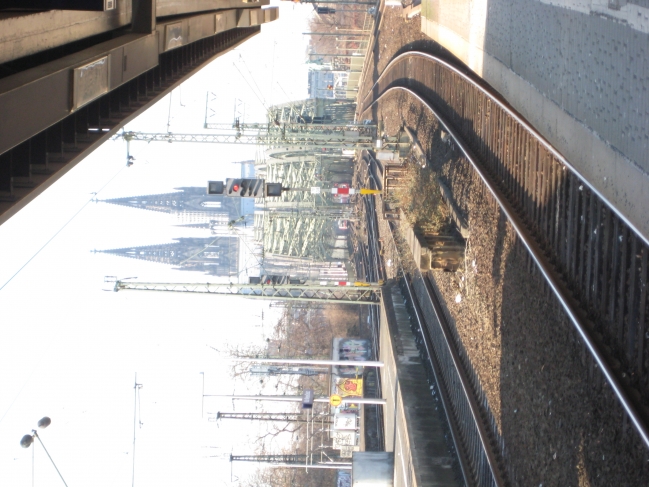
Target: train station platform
414, 424
578, 70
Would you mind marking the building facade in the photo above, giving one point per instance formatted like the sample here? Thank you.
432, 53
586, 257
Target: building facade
215, 256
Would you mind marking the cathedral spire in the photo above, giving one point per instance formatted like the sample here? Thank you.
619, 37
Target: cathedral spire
190, 204
216, 256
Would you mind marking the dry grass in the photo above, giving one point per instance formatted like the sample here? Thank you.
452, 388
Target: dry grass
421, 199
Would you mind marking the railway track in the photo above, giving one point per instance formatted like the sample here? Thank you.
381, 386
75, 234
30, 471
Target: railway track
453, 382
464, 403
591, 257
370, 267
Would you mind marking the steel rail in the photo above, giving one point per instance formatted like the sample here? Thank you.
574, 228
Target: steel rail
554, 281
451, 411
505, 107
441, 386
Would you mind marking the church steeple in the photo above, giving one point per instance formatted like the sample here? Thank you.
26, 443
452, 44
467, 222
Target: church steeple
189, 203
214, 256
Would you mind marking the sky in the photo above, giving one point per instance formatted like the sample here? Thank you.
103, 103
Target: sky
70, 350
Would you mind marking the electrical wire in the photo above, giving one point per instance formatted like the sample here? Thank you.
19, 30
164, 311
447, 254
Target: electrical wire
63, 227
169, 114
18, 395
290, 101
253, 80
251, 88
272, 72
252, 252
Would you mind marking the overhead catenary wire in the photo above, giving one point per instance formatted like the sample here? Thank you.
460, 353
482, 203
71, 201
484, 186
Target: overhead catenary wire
253, 79
137, 388
169, 112
62, 228
251, 88
272, 72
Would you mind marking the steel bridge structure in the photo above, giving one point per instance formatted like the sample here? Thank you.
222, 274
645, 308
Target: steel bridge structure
298, 155
359, 293
287, 135
308, 111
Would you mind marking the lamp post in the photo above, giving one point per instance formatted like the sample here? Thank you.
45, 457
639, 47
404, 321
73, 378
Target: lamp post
27, 440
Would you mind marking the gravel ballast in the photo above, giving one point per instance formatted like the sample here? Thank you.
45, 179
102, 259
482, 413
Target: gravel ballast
557, 417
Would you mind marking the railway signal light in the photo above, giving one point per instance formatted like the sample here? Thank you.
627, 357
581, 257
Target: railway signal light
233, 187
273, 189
245, 188
215, 187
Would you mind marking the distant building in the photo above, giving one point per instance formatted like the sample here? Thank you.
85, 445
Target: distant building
328, 84
193, 208
214, 256
313, 110
189, 204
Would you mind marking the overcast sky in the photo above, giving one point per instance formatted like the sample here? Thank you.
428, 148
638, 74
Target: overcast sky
70, 350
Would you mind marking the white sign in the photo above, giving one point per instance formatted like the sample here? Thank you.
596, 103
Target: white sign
347, 451
344, 438
315, 189
90, 81
345, 421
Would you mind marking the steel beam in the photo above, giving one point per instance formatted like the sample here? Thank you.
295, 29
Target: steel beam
55, 109
300, 139
25, 33
288, 292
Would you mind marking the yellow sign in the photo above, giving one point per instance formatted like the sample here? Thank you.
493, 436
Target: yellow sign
335, 400
370, 191
350, 387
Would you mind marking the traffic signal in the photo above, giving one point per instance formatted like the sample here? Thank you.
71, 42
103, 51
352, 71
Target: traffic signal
273, 189
215, 187
245, 188
233, 187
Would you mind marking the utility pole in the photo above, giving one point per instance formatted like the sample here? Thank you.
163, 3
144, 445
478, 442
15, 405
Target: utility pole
283, 417
349, 363
293, 135
331, 291
324, 399
284, 460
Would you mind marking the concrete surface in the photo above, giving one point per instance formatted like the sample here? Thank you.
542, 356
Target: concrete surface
414, 425
578, 70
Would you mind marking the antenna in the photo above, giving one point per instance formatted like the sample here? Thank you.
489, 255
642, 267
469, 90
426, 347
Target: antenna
239, 113
203, 395
210, 110
136, 389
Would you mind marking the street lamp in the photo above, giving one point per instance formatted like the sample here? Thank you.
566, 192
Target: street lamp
27, 440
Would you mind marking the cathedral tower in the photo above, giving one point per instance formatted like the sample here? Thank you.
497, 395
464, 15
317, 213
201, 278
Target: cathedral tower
215, 256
